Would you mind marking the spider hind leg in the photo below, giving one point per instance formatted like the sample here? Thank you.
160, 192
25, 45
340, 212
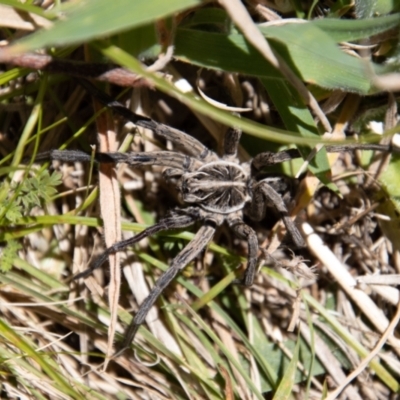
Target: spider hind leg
264, 194
188, 254
244, 231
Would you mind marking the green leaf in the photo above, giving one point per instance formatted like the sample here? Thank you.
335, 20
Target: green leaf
13, 213
214, 18
389, 198
140, 41
320, 62
47, 183
8, 254
279, 361
19, 199
90, 19
342, 30
221, 51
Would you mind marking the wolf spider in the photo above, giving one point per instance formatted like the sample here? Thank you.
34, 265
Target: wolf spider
215, 189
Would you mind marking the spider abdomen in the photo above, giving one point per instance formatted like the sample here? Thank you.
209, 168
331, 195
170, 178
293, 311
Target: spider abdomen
218, 186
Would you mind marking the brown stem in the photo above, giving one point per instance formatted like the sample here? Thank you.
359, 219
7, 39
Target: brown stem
99, 71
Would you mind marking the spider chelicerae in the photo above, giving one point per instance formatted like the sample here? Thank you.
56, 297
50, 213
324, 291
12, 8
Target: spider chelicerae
215, 190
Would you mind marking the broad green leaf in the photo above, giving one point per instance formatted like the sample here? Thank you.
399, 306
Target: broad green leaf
221, 51
342, 30
317, 58
140, 41
216, 18
319, 61
90, 19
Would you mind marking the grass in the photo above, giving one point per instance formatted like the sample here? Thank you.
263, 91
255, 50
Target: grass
208, 339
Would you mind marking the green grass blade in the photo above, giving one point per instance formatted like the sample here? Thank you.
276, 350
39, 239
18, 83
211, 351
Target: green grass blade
91, 19
285, 387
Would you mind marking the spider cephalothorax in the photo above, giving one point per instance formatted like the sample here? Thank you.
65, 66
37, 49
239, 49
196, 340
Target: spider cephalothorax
219, 186
215, 190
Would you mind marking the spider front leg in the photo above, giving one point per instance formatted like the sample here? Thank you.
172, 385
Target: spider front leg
185, 142
268, 158
169, 159
244, 231
188, 254
231, 143
263, 195
174, 222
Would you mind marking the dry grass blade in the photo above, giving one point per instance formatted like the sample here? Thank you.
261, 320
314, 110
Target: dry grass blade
110, 206
11, 18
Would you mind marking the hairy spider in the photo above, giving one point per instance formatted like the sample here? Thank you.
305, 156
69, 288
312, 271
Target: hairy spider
215, 189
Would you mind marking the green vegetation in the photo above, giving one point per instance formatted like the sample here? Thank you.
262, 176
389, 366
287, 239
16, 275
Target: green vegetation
222, 341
